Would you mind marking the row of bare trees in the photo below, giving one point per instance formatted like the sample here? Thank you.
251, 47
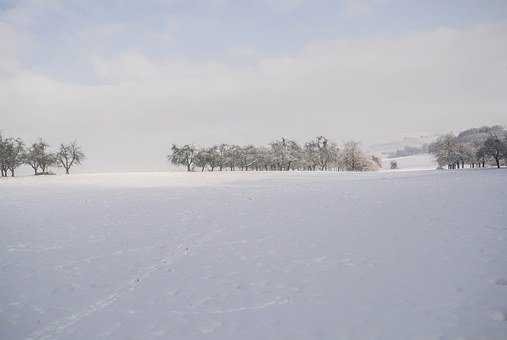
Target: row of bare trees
14, 153
280, 155
473, 147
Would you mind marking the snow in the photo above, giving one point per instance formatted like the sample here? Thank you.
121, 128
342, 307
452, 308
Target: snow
387, 255
423, 161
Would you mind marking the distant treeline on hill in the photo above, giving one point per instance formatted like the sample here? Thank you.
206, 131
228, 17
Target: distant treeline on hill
475, 147
14, 153
280, 155
409, 151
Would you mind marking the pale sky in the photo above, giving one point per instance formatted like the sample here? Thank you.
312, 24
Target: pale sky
128, 78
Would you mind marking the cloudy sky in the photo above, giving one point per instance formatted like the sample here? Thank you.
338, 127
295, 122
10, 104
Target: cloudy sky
127, 78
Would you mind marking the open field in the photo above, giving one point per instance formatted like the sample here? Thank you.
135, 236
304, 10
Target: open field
387, 255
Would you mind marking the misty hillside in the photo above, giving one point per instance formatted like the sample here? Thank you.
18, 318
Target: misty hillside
393, 146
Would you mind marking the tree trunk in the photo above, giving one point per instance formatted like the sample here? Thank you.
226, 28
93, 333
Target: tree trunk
67, 171
497, 160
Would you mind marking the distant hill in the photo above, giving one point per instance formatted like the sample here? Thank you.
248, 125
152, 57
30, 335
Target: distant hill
415, 144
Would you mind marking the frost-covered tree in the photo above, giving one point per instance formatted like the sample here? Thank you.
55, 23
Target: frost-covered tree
247, 157
11, 155
184, 155
286, 153
232, 154
213, 159
203, 158
39, 157
320, 153
3, 163
221, 156
283, 154
445, 151
353, 159
472, 149
69, 155
264, 158
495, 148
311, 156
473, 146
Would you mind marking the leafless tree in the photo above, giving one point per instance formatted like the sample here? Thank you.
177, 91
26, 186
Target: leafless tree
11, 155
283, 154
69, 155
184, 155
353, 158
495, 148
39, 157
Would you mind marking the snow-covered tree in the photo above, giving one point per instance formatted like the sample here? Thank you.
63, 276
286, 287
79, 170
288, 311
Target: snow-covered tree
39, 157
473, 146
286, 153
184, 155
247, 157
232, 154
445, 151
320, 153
11, 155
353, 159
202, 159
495, 148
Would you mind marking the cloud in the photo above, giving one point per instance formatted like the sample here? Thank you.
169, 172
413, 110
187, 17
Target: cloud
357, 8
284, 5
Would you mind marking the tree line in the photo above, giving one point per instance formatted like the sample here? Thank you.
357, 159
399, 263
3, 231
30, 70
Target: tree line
475, 147
38, 155
280, 155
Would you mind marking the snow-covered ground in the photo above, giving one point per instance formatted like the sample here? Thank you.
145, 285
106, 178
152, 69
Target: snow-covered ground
388, 255
415, 162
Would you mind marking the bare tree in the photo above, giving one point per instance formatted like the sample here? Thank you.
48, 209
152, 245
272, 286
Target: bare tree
286, 153
214, 160
221, 156
202, 159
184, 155
247, 156
30, 158
283, 154
445, 151
14, 152
3, 156
495, 148
38, 156
69, 155
320, 153
232, 156
353, 158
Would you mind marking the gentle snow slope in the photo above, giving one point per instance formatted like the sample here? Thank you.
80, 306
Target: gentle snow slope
394, 255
